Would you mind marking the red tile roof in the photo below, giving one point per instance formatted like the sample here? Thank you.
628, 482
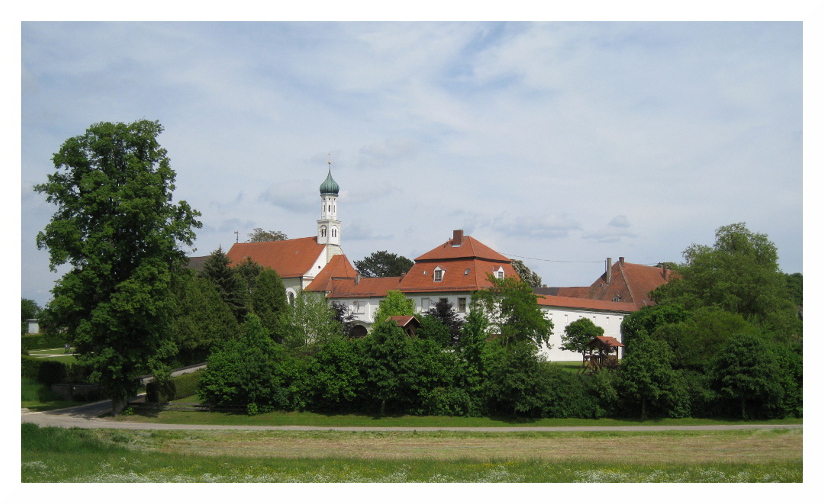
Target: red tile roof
338, 268
585, 304
458, 275
632, 283
366, 287
468, 247
289, 258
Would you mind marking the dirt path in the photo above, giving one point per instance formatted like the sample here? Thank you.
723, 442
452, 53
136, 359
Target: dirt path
87, 417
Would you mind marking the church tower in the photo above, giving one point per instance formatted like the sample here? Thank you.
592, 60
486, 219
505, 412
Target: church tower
329, 225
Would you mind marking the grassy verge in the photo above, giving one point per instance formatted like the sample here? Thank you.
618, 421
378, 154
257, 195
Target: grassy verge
80, 455
352, 420
55, 354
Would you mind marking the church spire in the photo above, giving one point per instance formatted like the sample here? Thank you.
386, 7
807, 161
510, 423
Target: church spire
329, 225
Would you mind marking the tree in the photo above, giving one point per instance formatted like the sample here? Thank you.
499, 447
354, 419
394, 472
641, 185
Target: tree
739, 274
268, 299
231, 286
526, 274
259, 235
394, 304
383, 264
747, 370
202, 319
513, 311
117, 228
309, 323
578, 333
647, 377
444, 312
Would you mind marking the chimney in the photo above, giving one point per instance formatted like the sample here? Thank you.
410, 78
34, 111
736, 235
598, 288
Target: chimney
403, 275
457, 237
664, 271
621, 260
609, 270
357, 278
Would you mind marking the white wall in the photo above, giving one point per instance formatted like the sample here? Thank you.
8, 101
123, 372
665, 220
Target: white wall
562, 317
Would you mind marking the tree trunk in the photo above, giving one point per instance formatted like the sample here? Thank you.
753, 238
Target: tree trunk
383, 406
118, 405
643, 408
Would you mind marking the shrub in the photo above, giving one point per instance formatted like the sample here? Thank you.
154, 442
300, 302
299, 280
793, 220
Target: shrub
38, 341
177, 387
46, 372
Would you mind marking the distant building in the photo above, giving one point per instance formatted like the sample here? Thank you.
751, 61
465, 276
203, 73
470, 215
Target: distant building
452, 271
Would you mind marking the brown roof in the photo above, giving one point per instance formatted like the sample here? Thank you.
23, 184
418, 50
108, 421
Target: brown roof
404, 320
366, 287
629, 284
605, 341
289, 258
585, 304
338, 268
462, 247
458, 275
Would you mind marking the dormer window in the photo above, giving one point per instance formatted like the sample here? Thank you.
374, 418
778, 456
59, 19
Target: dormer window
499, 273
438, 274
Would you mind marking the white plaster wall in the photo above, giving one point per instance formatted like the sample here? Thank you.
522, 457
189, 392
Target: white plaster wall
562, 317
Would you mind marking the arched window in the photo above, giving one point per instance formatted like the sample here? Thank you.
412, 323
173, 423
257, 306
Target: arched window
323, 231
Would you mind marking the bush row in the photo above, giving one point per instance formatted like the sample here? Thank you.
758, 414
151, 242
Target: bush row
38, 341
49, 372
175, 388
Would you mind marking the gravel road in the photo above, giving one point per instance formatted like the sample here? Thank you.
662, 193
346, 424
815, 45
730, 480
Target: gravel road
87, 417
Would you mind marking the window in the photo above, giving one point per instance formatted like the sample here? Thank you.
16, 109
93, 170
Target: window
443, 300
323, 231
462, 305
438, 274
499, 273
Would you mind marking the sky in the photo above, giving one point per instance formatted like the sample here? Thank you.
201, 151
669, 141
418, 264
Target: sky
557, 143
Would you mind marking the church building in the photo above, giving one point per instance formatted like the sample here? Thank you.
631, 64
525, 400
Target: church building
451, 271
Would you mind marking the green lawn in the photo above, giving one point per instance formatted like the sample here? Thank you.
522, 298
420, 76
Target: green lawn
56, 354
105, 455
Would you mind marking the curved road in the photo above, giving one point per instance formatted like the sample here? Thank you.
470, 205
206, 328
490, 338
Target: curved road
87, 417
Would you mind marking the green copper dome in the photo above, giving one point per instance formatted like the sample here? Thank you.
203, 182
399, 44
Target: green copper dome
329, 185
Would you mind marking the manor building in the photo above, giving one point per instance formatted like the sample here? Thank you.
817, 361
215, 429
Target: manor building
452, 271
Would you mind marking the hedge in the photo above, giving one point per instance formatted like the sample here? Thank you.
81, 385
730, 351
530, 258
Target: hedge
178, 387
46, 372
38, 341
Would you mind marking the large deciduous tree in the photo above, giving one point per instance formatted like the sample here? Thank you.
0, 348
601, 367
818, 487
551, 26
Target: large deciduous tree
578, 333
383, 264
739, 274
513, 311
117, 228
526, 274
259, 235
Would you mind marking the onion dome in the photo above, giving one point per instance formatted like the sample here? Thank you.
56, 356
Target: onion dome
329, 185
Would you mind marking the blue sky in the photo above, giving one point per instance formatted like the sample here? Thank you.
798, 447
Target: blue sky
559, 143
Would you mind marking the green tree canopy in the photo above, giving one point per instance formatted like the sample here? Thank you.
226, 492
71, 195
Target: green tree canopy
647, 377
202, 320
739, 274
309, 323
117, 228
259, 235
29, 309
747, 370
383, 264
394, 304
268, 299
513, 311
232, 287
526, 274
578, 333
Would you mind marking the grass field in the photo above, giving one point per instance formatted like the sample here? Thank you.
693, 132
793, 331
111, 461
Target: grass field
79, 455
56, 354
